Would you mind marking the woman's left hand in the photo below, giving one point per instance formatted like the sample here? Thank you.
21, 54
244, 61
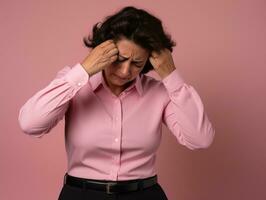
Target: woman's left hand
162, 63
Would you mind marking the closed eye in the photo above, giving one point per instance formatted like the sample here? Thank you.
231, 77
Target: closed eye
132, 62
139, 66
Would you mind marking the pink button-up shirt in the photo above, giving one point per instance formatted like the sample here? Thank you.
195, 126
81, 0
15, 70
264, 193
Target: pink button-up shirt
116, 137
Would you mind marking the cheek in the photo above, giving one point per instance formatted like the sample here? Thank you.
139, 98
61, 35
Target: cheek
137, 70
110, 70
135, 73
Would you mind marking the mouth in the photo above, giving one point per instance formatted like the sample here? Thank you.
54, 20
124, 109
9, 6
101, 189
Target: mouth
122, 79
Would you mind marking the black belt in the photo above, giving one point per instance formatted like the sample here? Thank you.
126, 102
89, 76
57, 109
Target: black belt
110, 186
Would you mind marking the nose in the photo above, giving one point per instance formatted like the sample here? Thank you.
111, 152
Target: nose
124, 71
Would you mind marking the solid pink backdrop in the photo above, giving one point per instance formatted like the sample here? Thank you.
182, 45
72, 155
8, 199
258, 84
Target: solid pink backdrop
220, 51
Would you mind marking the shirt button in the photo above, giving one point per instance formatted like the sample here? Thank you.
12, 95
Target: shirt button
79, 84
116, 139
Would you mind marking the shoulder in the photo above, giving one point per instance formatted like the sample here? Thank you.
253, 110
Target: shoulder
151, 83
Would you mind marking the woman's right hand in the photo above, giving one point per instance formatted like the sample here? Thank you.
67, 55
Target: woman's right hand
101, 56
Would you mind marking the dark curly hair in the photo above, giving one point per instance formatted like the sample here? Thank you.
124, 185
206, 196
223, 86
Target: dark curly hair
136, 25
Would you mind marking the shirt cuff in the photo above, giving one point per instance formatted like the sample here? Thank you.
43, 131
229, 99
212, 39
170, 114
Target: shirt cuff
173, 81
77, 75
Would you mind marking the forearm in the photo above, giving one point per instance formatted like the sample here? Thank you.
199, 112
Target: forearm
45, 108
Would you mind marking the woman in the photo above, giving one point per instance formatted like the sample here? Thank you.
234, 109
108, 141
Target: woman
114, 112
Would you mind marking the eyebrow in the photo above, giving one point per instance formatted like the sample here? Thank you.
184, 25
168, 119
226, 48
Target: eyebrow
127, 58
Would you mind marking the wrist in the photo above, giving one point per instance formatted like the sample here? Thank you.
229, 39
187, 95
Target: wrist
164, 73
87, 69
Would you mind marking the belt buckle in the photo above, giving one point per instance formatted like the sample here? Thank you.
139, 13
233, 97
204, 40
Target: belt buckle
108, 187
64, 182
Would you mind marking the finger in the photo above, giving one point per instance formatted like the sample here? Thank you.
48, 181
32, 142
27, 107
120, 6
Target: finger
112, 52
109, 47
106, 42
154, 54
113, 58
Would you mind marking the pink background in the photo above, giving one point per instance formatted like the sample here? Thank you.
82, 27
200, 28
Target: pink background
220, 51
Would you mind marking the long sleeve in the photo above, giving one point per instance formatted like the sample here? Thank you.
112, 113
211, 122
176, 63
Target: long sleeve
184, 114
48, 106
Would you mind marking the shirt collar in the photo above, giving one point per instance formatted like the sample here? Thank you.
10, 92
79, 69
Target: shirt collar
97, 79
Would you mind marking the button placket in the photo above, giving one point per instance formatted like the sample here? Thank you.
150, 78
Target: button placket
116, 138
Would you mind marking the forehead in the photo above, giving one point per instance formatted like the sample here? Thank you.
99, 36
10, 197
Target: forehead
128, 48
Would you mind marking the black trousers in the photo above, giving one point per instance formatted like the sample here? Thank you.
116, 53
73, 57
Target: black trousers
154, 192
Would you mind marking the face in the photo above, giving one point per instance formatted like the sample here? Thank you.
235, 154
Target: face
130, 62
